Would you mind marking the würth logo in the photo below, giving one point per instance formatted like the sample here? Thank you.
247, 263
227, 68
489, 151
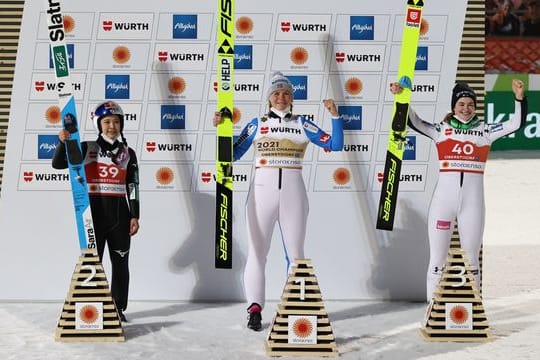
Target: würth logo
107, 25
28, 176
39, 85
206, 176
285, 26
150, 146
162, 56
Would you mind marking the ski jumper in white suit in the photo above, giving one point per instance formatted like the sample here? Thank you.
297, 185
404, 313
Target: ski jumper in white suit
459, 192
277, 192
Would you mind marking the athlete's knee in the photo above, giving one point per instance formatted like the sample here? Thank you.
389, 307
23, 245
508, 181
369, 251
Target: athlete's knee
436, 270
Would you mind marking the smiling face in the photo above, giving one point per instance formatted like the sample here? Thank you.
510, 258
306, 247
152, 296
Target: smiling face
465, 109
281, 100
110, 126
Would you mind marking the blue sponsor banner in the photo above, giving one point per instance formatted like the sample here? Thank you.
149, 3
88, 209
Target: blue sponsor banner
117, 86
352, 116
70, 55
410, 148
184, 26
243, 57
362, 27
46, 146
421, 58
173, 117
300, 86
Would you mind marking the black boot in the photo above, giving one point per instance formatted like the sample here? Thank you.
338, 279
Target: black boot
254, 317
122, 316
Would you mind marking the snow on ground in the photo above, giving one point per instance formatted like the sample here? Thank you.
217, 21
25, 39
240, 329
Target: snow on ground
363, 329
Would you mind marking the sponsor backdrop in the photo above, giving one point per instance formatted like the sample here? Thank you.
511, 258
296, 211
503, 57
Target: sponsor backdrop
498, 109
158, 61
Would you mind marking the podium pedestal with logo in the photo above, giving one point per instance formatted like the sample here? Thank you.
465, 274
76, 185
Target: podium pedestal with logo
456, 312
301, 326
89, 313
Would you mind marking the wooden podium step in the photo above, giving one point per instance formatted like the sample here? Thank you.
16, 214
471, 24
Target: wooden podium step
89, 313
456, 312
301, 326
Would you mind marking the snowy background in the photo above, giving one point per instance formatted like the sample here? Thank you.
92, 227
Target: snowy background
363, 329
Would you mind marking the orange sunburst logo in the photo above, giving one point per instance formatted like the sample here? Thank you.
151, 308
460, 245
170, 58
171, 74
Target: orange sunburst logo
424, 27
342, 176
93, 188
89, 314
69, 23
445, 164
52, 114
263, 162
176, 85
164, 176
299, 55
354, 86
244, 25
459, 314
302, 328
121, 54
236, 115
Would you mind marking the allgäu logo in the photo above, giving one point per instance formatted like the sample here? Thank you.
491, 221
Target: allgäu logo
184, 26
243, 57
300, 86
362, 27
117, 86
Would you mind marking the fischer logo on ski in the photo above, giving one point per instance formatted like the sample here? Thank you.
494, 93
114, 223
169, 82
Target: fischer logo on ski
66, 102
398, 130
224, 146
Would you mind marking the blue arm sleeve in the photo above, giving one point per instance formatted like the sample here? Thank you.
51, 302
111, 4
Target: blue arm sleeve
245, 139
320, 138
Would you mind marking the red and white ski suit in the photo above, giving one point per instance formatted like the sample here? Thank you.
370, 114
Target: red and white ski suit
459, 193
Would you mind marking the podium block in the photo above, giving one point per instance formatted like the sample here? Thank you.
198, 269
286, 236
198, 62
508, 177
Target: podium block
89, 313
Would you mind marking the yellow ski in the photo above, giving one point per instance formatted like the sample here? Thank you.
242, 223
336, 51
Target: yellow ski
224, 145
397, 139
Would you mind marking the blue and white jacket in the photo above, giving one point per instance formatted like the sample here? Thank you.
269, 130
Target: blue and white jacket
282, 141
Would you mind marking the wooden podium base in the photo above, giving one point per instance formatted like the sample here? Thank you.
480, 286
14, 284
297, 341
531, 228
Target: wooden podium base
301, 301
456, 313
89, 313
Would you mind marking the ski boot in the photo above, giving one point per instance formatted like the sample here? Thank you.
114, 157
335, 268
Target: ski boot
254, 317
